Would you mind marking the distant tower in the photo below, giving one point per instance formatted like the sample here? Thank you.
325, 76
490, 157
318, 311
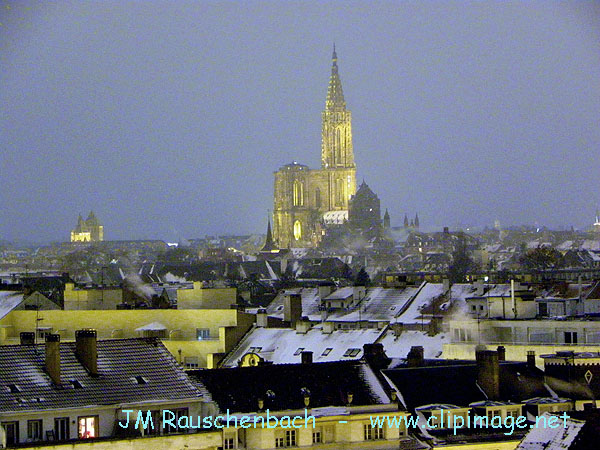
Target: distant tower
416, 220
364, 211
269, 244
89, 230
405, 221
386, 219
305, 198
596, 225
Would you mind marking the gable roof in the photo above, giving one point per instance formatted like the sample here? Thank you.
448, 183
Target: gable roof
283, 386
119, 362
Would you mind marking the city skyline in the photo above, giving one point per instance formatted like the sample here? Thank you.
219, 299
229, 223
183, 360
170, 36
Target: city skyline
169, 121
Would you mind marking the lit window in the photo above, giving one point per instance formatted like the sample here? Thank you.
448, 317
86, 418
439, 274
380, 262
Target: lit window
202, 334
297, 230
88, 427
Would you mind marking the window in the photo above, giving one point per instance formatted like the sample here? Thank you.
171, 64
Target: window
298, 193
255, 349
297, 230
317, 437
474, 307
279, 442
327, 351
290, 438
179, 413
61, 428
371, 433
202, 334
42, 332
229, 442
352, 352
88, 427
76, 384
11, 430
191, 362
543, 309
570, 337
34, 430
298, 351
318, 198
13, 388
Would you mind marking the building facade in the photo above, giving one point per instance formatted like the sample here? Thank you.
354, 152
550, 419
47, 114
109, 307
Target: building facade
88, 230
303, 197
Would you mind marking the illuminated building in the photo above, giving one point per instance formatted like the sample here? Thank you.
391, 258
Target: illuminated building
88, 230
304, 198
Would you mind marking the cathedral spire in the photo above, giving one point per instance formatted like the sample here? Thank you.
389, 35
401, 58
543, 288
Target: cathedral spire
335, 95
269, 244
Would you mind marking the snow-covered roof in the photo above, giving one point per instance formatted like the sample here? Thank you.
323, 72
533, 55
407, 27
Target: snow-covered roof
154, 326
284, 345
424, 297
397, 347
9, 300
341, 293
549, 438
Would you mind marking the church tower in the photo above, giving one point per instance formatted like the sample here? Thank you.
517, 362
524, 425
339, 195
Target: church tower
307, 199
336, 145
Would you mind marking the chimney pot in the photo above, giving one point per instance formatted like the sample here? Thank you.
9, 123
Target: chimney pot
53, 357
501, 353
307, 357
86, 349
531, 359
488, 372
416, 356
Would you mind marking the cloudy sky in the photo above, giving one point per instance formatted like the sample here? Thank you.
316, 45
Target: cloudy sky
169, 118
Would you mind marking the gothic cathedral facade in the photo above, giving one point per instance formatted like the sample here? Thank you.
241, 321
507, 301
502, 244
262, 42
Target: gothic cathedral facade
306, 199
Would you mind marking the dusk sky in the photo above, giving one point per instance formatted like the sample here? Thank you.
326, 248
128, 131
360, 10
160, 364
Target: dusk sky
168, 119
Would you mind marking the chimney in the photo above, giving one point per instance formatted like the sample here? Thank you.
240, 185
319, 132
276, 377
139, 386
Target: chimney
531, 359
415, 357
262, 319
445, 285
27, 338
446, 230
53, 357
328, 327
488, 373
86, 351
374, 354
303, 325
292, 308
501, 353
307, 357
324, 291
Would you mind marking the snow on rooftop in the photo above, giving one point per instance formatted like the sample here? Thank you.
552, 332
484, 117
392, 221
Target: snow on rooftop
424, 297
284, 345
9, 300
370, 379
397, 347
549, 438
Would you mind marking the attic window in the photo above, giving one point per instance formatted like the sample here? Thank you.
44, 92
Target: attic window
298, 351
327, 351
13, 388
76, 384
352, 352
280, 307
140, 380
254, 349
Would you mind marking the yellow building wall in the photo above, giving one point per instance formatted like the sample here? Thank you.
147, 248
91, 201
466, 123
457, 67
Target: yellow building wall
502, 307
79, 299
206, 298
505, 445
514, 352
196, 441
226, 327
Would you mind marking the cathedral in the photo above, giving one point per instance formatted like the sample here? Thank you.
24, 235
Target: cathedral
88, 230
306, 199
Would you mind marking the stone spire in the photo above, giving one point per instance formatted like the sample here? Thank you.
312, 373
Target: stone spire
386, 219
417, 220
269, 244
335, 95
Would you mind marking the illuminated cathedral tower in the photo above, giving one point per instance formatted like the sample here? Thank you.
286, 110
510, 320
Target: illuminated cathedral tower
305, 199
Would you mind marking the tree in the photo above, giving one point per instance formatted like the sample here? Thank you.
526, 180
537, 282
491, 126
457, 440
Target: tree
362, 278
462, 263
540, 258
